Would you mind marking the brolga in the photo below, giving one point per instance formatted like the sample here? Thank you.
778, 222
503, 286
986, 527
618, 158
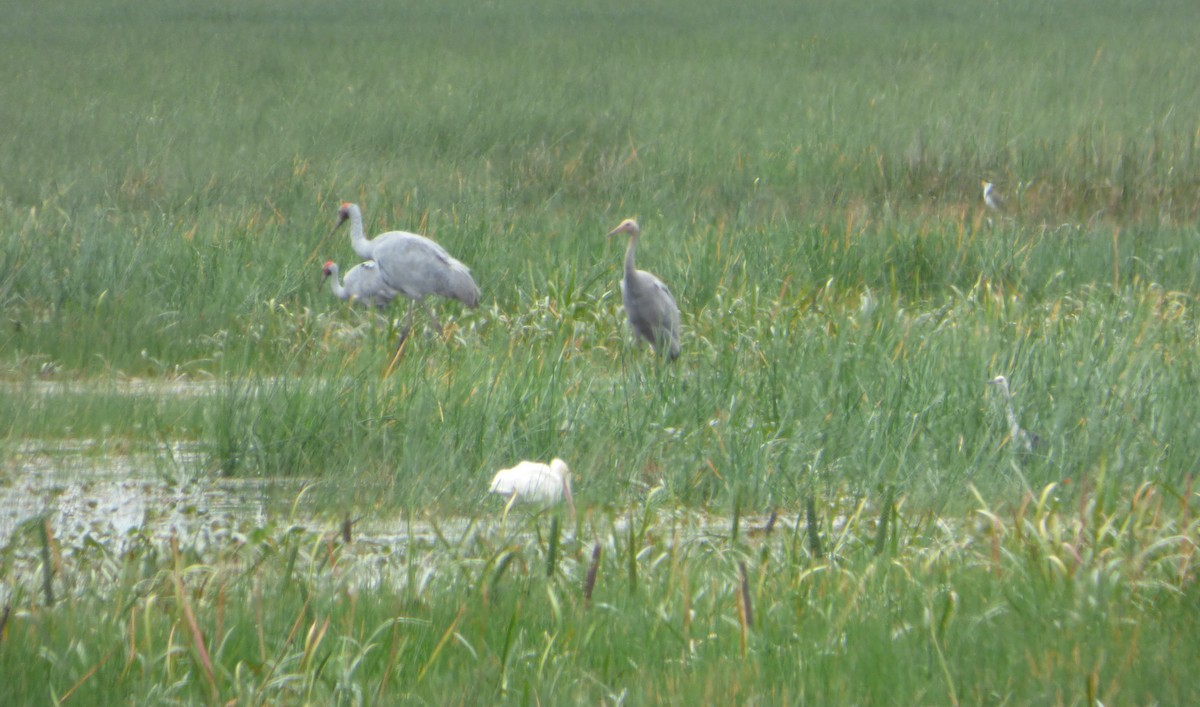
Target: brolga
1024, 440
649, 305
535, 482
413, 266
362, 283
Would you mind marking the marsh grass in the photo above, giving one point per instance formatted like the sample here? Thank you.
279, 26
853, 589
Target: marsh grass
778, 391
807, 180
1085, 597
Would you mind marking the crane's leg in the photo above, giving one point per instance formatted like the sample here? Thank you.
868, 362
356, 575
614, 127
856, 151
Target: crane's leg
404, 329
407, 326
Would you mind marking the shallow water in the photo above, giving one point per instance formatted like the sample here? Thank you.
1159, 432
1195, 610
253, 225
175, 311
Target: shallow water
152, 387
87, 491
99, 491
92, 493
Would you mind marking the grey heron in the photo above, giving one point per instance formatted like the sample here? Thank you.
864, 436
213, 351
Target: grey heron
1024, 440
651, 308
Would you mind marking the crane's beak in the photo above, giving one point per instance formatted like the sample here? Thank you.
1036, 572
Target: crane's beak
342, 218
627, 226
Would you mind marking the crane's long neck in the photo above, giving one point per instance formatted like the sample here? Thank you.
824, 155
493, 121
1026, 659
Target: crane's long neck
335, 284
1014, 427
630, 257
358, 239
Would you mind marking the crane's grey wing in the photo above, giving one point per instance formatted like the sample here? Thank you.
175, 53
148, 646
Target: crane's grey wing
652, 311
664, 293
671, 316
365, 283
416, 266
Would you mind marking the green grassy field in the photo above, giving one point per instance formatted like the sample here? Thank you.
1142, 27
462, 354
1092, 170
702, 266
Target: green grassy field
807, 180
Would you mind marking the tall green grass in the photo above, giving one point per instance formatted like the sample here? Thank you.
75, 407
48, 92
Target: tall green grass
807, 177
807, 182
778, 401
1031, 601
182, 169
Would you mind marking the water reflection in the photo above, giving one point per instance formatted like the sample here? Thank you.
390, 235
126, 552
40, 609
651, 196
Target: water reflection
90, 493
86, 491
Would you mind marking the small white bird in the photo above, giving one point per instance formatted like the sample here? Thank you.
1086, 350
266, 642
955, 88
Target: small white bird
650, 306
535, 482
362, 283
991, 197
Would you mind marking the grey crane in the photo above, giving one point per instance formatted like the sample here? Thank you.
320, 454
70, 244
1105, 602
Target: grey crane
651, 309
413, 266
362, 283
1024, 440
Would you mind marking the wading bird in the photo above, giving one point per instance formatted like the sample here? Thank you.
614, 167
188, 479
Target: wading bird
991, 197
362, 283
535, 482
413, 266
651, 309
1025, 441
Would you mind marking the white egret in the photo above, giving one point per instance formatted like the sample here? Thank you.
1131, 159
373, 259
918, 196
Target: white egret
362, 283
1025, 441
651, 308
535, 482
413, 266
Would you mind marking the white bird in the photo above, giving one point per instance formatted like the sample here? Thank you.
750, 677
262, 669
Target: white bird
362, 283
991, 197
651, 308
1025, 441
412, 265
535, 482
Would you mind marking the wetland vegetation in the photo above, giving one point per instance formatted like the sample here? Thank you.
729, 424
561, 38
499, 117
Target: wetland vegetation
819, 501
